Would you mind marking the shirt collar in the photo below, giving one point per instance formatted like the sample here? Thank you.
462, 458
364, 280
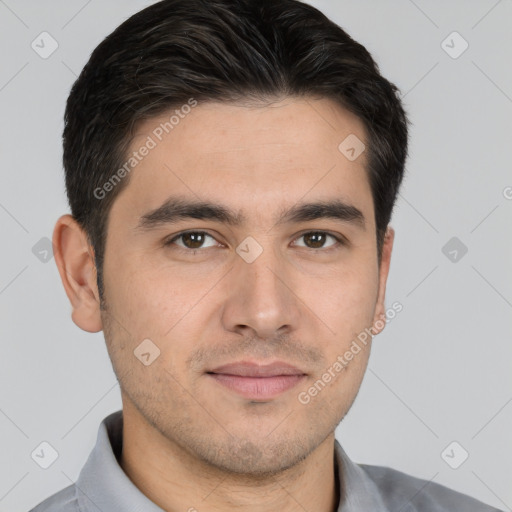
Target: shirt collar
103, 485
358, 492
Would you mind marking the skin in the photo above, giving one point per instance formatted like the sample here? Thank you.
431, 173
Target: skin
189, 442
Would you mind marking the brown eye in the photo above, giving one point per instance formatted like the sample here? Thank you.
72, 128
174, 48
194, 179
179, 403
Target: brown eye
190, 240
193, 240
317, 239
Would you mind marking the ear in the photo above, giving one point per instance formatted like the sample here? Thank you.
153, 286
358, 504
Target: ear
379, 319
75, 260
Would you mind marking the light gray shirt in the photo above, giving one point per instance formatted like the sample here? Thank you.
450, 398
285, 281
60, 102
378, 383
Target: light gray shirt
102, 485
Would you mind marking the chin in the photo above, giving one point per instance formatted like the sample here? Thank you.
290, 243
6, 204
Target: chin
263, 458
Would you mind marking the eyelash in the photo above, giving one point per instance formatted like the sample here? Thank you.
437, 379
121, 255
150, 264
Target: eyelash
340, 241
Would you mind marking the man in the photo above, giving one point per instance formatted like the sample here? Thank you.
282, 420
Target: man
231, 168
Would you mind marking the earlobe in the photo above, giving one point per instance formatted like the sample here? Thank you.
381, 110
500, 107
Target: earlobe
75, 261
379, 319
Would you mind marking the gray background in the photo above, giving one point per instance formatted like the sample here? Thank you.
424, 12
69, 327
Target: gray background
441, 370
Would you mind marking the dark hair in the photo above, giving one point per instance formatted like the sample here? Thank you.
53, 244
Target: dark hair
228, 51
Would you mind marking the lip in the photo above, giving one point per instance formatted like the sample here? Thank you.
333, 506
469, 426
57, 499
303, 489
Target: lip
256, 381
251, 369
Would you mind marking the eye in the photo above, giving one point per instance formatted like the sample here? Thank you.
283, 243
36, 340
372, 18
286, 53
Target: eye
316, 240
191, 239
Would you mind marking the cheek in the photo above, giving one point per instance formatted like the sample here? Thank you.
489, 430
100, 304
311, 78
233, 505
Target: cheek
350, 296
350, 315
155, 305
146, 294
147, 307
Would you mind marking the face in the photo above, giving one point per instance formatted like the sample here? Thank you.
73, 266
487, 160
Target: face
262, 279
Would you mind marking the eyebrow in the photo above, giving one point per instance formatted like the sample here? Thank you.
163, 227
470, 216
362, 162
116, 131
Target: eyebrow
175, 209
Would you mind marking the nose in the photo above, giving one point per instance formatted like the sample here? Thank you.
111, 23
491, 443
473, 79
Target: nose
261, 297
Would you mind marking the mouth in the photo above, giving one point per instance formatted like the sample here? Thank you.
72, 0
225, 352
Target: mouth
256, 381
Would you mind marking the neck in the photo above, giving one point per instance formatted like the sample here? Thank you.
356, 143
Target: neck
174, 479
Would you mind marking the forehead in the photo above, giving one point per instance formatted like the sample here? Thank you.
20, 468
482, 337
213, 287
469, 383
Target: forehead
254, 158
